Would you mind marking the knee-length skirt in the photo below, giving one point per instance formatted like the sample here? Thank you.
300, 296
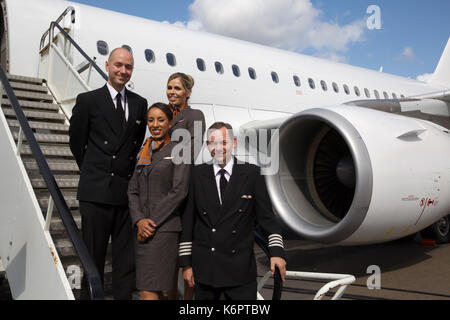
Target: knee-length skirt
156, 262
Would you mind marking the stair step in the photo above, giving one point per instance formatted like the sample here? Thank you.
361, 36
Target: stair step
29, 87
65, 250
64, 182
49, 151
56, 165
57, 226
32, 104
69, 196
15, 78
37, 115
31, 95
41, 125
47, 138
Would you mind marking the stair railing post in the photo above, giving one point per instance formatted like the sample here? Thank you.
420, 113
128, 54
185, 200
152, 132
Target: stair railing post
19, 142
48, 217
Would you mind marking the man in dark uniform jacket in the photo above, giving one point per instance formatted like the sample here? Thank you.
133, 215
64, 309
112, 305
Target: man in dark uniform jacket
225, 201
107, 129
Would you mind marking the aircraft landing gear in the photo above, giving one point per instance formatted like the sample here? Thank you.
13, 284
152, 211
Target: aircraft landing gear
438, 231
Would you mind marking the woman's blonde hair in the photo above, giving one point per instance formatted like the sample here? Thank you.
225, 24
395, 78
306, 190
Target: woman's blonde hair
187, 81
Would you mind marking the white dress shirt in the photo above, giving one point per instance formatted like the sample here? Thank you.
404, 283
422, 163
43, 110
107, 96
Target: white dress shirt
228, 172
113, 92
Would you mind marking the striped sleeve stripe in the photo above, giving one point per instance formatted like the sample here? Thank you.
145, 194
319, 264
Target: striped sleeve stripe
185, 249
186, 244
276, 240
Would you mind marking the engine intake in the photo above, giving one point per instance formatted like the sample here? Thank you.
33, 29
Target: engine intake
324, 185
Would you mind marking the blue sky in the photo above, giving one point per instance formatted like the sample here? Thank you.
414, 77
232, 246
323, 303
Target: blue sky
410, 42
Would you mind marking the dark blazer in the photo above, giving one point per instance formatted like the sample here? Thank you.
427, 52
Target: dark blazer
222, 236
186, 120
106, 157
158, 190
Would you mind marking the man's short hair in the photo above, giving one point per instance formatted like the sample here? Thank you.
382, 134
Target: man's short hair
219, 125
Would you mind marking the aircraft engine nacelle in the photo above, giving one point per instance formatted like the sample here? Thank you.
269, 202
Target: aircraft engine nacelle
350, 175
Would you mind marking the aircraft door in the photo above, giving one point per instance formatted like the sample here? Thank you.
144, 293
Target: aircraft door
4, 50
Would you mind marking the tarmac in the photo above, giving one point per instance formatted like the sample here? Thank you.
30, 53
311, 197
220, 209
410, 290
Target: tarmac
408, 270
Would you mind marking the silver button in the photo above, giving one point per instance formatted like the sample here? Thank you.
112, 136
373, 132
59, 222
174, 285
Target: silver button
106, 142
213, 249
213, 230
112, 174
204, 213
233, 251
114, 157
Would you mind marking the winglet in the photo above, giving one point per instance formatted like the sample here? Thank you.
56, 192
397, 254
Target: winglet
442, 74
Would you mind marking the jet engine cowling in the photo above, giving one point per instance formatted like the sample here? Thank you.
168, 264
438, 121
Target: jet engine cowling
351, 175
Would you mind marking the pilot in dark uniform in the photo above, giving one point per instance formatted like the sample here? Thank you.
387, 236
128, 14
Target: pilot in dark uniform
106, 132
226, 200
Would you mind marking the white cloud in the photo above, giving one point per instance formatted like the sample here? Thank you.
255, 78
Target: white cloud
287, 24
424, 77
407, 54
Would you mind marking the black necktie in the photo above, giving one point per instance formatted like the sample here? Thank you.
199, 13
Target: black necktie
223, 184
120, 111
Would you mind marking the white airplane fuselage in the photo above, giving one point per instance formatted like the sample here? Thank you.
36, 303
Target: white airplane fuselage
266, 91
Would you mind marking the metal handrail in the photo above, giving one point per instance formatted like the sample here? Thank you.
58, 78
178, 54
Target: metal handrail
81, 51
90, 270
70, 8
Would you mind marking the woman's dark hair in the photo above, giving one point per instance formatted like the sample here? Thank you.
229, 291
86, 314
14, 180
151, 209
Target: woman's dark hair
164, 108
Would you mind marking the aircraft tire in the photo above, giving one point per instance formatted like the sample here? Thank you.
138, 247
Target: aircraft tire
438, 231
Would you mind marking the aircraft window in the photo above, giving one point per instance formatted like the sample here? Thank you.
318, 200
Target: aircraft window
236, 70
357, 92
102, 47
297, 81
324, 85
275, 77
252, 73
312, 84
385, 94
367, 92
335, 87
201, 64
394, 96
171, 61
149, 56
219, 67
346, 89
128, 48
377, 95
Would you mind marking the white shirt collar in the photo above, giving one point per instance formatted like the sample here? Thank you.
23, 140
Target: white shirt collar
228, 168
113, 92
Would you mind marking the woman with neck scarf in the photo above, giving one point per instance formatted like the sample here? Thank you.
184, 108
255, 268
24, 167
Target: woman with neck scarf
155, 192
179, 91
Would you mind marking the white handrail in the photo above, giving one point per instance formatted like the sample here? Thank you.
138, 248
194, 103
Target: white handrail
337, 280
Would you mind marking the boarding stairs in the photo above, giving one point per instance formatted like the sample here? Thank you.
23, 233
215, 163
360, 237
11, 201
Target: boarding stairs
50, 128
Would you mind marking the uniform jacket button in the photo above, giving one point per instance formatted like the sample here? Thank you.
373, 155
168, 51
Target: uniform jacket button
233, 232
106, 142
213, 249
213, 230
233, 251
